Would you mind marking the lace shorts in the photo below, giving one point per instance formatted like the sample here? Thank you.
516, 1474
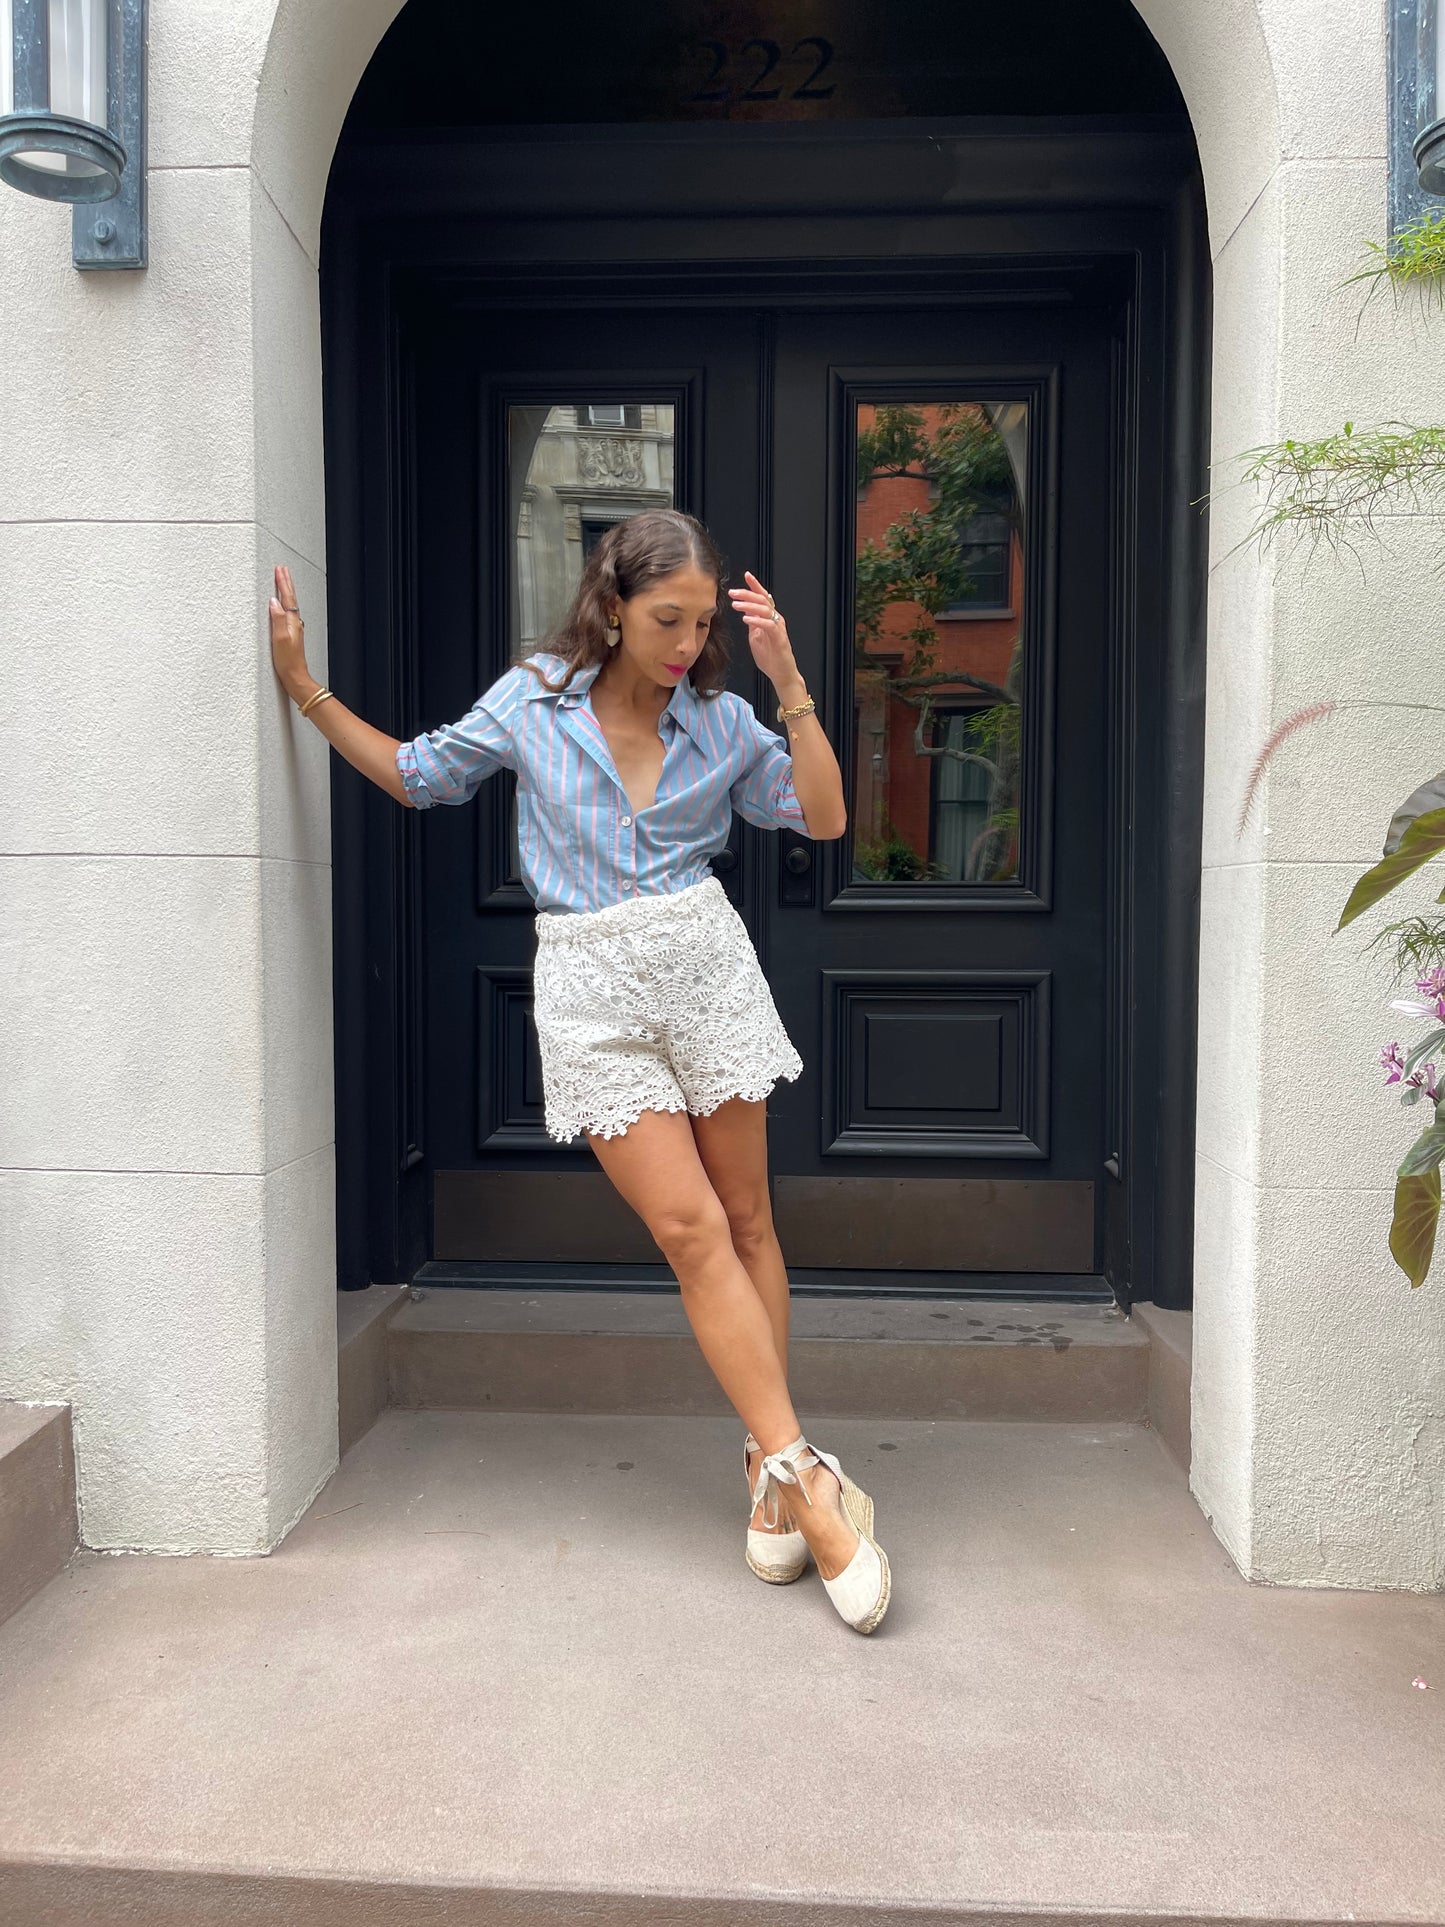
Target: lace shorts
657, 1004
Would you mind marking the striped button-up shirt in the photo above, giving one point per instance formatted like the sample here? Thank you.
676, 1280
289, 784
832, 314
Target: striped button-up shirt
582, 844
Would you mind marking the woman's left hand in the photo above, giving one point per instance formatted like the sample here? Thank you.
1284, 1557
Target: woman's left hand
767, 632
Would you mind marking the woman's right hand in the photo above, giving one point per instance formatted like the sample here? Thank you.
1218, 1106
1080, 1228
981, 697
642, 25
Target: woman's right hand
370, 750
288, 643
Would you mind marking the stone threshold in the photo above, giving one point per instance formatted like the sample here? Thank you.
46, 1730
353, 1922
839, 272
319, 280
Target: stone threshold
884, 1357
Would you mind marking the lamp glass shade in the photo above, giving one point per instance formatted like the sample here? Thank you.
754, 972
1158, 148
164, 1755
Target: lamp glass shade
77, 59
76, 82
77, 75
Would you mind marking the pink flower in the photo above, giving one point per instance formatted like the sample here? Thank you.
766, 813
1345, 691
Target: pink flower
1392, 1061
1424, 1075
1433, 1003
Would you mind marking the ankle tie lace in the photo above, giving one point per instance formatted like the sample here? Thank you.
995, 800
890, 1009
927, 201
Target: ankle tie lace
781, 1468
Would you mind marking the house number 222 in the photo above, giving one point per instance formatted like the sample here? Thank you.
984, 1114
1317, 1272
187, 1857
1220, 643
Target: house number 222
759, 60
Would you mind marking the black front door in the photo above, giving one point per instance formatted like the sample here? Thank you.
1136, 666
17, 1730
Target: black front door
941, 500
926, 490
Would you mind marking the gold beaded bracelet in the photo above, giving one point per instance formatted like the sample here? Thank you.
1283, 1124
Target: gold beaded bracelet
318, 697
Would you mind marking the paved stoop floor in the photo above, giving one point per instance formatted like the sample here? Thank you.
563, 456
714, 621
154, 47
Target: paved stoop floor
512, 1668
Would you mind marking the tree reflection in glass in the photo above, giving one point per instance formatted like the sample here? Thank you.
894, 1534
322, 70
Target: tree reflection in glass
938, 640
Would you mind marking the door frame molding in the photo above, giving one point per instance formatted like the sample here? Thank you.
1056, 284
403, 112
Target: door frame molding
695, 215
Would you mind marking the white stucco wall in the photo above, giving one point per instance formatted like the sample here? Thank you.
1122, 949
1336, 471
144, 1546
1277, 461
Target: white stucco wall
167, 1253
166, 1166
1319, 1376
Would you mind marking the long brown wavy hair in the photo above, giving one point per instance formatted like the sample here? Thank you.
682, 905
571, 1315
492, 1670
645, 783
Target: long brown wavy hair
630, 555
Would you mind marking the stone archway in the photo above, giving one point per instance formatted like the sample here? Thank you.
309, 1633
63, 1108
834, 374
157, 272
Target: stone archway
1267, 1447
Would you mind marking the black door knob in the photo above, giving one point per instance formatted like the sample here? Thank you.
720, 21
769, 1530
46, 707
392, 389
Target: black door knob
799, 860
724, 862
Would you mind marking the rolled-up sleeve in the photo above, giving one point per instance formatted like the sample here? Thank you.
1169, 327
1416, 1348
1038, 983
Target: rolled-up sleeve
448, 765
764, 793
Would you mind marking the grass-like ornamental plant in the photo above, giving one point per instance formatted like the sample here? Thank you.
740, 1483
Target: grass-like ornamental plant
1330, 488
1412, 261
1414, 944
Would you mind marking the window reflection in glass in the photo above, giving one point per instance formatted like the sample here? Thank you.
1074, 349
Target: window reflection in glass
938, 640
574, 469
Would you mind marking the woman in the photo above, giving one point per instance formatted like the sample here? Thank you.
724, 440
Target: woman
659, 1037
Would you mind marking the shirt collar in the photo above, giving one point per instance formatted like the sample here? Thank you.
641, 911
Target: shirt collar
684, 705
553, 668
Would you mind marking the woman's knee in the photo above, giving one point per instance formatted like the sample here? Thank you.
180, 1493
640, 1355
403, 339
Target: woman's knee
750, 1223
689, 1232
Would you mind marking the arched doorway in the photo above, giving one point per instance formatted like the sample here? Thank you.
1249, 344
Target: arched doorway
820, 284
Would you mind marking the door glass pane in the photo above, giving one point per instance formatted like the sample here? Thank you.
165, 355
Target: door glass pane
938, 547
573, 470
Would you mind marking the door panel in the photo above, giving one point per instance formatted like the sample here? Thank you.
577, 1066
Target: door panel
938, 1063
576, 425
945, 576
918, 1224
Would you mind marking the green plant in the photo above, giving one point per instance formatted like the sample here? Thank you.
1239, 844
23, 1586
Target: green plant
1416, 835
1414, 945
891, 858
1329, 487
1411, 261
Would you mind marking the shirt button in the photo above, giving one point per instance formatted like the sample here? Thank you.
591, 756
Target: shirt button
629, 886
627, 822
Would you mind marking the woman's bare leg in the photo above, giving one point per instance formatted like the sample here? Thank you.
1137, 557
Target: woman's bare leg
733, 1145
656, 1166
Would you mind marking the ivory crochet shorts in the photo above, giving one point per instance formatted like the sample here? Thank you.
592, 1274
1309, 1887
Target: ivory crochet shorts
656, 1004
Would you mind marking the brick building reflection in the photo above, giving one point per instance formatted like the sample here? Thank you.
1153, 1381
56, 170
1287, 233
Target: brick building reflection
939, 561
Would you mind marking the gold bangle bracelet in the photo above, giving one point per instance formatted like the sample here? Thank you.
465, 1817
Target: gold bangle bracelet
804, 708
311, 701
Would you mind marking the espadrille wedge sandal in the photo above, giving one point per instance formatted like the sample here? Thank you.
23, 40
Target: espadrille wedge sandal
778, 1557
862, 1590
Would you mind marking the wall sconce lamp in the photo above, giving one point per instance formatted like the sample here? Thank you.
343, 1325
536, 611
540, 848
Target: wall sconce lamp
1429, 140
1415, 31
72, 118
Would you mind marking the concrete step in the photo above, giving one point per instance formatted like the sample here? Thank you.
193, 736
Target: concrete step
633, 1352
510, 1670
362, 1366
1171, 1366
37, 1499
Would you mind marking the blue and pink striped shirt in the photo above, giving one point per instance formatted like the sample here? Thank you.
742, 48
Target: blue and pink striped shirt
582, 847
